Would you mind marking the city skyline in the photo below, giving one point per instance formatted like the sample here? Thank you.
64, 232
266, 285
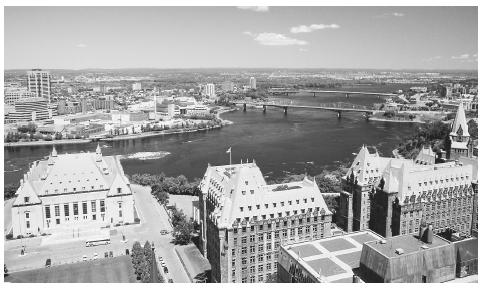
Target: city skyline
397, 38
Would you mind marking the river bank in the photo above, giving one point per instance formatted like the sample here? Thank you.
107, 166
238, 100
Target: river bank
47, 143
395, 120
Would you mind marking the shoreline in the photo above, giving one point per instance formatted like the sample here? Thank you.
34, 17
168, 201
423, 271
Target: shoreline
395, 120
124, 137
47, 143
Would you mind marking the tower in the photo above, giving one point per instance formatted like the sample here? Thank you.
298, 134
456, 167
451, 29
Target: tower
38, 82
459, 137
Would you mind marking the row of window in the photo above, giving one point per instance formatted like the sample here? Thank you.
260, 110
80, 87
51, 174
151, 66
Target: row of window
260, 258
276, 234
291, 222
269, 267
66, 209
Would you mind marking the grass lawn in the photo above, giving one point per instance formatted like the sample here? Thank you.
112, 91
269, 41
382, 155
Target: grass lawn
111, 270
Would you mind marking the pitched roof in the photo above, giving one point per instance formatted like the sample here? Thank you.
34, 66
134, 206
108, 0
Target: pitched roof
240, 192
70, 173
460, 122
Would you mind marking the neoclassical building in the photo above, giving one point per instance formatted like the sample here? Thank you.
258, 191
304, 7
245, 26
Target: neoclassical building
244, 221
68, 192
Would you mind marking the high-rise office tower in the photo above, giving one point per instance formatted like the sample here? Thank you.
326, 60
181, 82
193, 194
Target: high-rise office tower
253, 83
38, 82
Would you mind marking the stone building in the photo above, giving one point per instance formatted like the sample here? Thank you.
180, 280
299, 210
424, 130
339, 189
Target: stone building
244, 221
65, 192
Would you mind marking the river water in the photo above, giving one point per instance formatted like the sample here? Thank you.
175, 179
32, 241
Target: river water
280, 144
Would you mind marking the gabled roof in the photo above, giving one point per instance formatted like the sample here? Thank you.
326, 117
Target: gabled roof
460, 123
240, 192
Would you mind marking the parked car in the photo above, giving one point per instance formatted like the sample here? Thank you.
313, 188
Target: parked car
110, 254
106, 254
170, 280
165, 269
48, 263
95, 256
164, 232
85, 258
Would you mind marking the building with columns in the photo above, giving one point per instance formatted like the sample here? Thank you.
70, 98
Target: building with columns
65, 192
244, 221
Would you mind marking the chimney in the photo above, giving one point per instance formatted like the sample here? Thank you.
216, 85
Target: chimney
428, 235
423, 228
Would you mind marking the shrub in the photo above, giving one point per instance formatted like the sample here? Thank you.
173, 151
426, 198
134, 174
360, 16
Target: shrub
19, 236
137, 220
9, 236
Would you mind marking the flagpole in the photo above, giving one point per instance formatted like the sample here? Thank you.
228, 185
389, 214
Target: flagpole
230, 157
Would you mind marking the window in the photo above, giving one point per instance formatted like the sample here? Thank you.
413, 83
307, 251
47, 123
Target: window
252, 238
252, 249
120, 213
47, 212
244, 250
119, 190
260, 259
244, 261
65, 210
260, 248
260, 268
260, 237
102, 206
57, 211
269, 248
28, 224
84, 207
119, 205
75, 209
244, 240
252, 259
26, 199
94, 206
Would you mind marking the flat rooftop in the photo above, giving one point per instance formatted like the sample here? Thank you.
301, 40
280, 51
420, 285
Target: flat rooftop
332, 259
409, 244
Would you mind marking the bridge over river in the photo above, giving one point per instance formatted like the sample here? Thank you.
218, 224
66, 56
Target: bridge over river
337, 107
315, 92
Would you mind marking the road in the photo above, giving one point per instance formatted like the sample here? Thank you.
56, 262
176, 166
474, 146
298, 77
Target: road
153, 217
156, 219
7, 216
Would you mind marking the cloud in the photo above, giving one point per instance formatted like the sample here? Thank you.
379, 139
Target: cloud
460, 57
254, 8
388, 15
430, 59
274, 39
310, 28
81, 45
303, 50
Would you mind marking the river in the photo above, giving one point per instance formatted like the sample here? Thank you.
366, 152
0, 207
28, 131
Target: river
280, 144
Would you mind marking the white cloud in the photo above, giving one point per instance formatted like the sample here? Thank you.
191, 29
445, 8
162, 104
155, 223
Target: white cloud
392, 14
463, 56
274, 39
81, 45
254, 8
310, 28
430, 59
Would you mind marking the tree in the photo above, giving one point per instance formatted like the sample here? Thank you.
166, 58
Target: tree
137, 257
182, 232
145, 275
5, 270
9, 191
473, 129
177, 217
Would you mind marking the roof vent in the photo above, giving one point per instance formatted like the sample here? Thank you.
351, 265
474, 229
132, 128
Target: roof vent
424, 247
399, 251
383, 241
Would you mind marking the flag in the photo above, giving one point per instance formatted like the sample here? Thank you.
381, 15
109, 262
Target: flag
229, 150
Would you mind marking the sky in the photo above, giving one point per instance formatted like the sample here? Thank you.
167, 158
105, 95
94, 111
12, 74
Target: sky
241, 37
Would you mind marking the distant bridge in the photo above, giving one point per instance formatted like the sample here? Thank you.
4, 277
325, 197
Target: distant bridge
314, 92
337, 107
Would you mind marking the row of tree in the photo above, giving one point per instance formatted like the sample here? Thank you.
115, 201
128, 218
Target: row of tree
183, 228
172, 185
143, 260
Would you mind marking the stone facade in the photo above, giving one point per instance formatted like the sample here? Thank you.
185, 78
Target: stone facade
244, 221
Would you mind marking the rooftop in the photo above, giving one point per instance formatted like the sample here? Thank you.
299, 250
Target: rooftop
332, 259
408, 243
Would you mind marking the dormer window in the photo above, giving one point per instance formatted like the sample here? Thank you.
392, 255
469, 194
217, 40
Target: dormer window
246, 183
305, 201
279, 215
290, 203
249, 208
298, 202
313, 200
244, 192
119, 190
46, 191
282, 204
26, 199
251, 192
241, 209
258, 207
74, 189
266, 206
274, 205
